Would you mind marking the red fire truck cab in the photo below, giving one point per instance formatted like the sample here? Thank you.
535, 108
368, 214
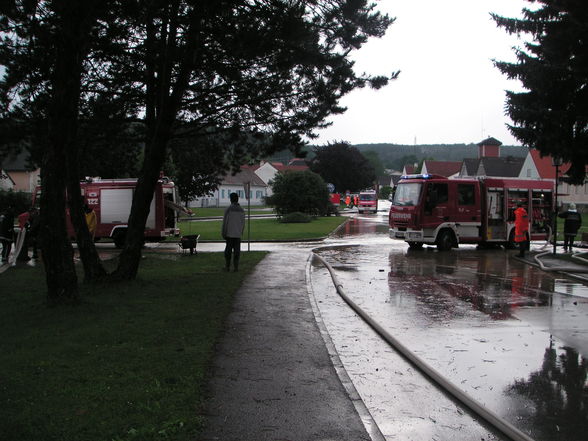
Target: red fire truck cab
111, 199
368, 201
435, 210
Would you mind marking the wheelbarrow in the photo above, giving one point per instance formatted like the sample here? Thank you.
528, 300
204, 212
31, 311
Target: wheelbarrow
189, 242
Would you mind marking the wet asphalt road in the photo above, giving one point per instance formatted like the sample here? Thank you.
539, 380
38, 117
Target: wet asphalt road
509, 335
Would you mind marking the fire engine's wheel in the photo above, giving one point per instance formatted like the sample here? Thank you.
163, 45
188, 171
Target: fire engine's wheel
415, 245
119, 238
445, 241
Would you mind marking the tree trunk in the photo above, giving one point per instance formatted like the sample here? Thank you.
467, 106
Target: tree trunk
93, 269
131, 253
73, 26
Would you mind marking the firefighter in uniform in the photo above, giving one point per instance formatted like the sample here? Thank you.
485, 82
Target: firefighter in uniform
521, 228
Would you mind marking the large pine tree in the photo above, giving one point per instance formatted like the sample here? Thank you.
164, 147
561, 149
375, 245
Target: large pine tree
551, 114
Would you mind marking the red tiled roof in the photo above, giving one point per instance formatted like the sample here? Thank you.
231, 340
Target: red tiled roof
545, 165
284, 168
443, 168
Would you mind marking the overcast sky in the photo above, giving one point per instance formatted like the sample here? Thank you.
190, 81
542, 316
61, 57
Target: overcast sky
448, 90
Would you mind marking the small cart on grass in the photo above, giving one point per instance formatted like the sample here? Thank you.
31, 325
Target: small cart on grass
189, 242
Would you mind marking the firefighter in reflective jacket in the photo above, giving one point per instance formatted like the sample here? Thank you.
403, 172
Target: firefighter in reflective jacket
521, 228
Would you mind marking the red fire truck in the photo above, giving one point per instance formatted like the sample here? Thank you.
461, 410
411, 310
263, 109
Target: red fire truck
111, 200
435, 210
368, 201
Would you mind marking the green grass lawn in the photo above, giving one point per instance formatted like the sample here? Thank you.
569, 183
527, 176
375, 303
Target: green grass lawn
219, 211
129, 363
267, 229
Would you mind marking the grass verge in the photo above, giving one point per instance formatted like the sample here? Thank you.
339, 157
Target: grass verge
129, 363
220, 211
267, 229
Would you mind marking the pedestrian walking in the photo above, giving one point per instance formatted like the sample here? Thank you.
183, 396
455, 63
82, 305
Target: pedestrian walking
521, 228
232, 230
573, 222
6, 232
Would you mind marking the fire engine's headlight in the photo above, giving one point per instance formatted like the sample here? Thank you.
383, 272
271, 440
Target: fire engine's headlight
414, 235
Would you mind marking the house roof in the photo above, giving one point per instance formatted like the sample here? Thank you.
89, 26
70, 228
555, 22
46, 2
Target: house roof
16, 162
384, 180
297, 161
443, 168
284, 168
409, 168
471, 166
545, 165
490, 141
243, 176
505, 167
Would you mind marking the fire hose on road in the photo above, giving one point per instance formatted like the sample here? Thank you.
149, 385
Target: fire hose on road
499, 423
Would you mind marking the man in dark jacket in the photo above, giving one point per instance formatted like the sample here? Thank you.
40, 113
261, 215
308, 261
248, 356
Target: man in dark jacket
232, 230
573, 222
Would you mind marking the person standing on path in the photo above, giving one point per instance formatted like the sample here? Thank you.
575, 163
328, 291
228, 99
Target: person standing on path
573, 222
232, 230
521, 228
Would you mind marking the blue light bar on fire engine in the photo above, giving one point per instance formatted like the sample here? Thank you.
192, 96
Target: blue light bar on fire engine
417, 176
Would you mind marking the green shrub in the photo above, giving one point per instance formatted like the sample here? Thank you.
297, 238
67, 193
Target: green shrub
302, 191
295, 217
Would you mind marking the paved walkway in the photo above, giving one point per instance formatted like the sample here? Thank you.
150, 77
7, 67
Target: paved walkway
273, 378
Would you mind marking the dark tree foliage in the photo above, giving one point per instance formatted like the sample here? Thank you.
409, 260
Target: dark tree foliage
263, 67
375, 160
552, 114
302, 191
343, 166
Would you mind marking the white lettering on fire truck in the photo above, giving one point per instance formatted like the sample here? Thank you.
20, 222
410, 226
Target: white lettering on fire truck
401, 215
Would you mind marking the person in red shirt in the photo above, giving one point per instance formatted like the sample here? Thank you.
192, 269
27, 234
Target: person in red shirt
521, 228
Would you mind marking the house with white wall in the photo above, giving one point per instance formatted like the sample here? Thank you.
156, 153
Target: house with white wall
22, 176
267, 171
237, 183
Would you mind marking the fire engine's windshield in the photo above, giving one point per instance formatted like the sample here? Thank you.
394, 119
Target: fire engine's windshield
367, 196
407, 193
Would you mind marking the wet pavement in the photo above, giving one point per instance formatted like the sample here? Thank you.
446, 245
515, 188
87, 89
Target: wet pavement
510, 335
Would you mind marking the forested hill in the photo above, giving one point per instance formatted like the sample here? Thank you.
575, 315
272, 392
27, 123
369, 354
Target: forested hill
396, 155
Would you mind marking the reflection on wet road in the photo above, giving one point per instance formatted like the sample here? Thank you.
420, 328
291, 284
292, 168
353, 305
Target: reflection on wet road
511, 336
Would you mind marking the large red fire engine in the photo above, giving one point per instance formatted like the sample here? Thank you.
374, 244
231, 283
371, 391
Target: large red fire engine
430, 209
111, 200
